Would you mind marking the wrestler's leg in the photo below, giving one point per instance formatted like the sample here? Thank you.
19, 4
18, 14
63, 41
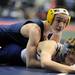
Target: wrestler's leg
11, 53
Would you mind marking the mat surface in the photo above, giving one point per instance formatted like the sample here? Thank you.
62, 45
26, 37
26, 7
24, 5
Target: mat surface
9, 70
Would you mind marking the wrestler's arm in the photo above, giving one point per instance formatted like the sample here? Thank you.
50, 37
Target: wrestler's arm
47, 51
34, 38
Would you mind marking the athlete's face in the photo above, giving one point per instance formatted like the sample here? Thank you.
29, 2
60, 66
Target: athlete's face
70, 59
60, 22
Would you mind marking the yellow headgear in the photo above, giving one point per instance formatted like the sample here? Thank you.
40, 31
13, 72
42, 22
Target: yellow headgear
52, 12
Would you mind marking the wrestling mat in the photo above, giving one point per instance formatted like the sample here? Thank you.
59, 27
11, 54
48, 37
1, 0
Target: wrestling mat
21, 70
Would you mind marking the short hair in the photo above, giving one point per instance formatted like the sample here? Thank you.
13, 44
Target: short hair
71, 45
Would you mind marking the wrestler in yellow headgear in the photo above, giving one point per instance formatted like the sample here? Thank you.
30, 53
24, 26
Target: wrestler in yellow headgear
52, 12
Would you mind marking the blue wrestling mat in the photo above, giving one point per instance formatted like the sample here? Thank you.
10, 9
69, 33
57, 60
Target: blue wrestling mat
18, 70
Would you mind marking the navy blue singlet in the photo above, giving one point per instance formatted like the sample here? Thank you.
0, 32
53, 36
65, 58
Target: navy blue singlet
13, 42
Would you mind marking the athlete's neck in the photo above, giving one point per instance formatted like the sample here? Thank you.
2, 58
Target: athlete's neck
46, 26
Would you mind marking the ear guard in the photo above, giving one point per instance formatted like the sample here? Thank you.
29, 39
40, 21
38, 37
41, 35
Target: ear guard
52, 12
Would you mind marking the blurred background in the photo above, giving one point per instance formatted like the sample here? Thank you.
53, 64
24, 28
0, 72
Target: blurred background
24, 9
27, 9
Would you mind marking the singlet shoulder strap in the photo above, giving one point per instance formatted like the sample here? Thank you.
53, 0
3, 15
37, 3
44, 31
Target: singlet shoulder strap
39, 23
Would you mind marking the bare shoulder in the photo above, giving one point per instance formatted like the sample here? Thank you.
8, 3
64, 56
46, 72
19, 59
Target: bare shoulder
48, 45
48, 42
27, 27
